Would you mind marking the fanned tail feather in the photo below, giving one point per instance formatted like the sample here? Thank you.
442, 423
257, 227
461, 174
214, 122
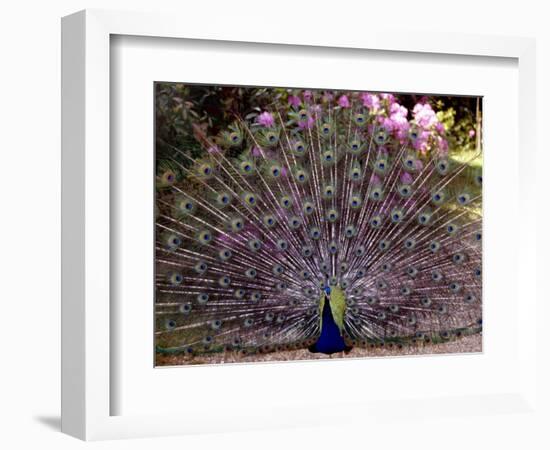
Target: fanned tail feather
250, 233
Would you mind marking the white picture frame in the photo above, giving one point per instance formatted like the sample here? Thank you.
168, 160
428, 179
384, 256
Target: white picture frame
87, 385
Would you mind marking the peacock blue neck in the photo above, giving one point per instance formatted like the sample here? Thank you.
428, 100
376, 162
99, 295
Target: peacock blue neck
327, 310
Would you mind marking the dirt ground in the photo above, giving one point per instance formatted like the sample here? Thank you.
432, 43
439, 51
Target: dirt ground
466, 344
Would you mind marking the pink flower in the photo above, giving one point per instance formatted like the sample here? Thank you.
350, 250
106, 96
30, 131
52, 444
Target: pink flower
472, 133
294, 101
386, 123
343, 101
256, 151
389, 97
402, 131
397, 110
421, 142
266, 119
308, 95
424, 115
443, 146
400, 124
371, 101
440, 128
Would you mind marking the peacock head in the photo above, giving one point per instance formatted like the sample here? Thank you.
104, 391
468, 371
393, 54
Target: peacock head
327, 292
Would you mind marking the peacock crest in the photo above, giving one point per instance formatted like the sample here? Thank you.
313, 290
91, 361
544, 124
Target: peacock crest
317, 208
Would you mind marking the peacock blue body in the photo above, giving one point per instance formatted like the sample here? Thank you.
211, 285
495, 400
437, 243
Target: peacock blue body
317, 223
330, 340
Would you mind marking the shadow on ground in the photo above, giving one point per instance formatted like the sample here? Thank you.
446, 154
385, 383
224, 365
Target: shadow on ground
51, 422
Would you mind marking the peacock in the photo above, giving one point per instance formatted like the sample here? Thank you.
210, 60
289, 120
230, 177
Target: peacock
325, 222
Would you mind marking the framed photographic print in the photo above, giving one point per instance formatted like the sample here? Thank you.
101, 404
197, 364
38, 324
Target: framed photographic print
274, 230
299, 223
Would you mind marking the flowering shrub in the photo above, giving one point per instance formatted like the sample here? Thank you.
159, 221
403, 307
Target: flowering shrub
432, 124
422, 126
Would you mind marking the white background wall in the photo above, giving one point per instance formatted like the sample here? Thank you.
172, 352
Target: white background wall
30, 196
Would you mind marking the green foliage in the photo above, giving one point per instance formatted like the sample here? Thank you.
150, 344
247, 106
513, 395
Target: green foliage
461, 117
186, 114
